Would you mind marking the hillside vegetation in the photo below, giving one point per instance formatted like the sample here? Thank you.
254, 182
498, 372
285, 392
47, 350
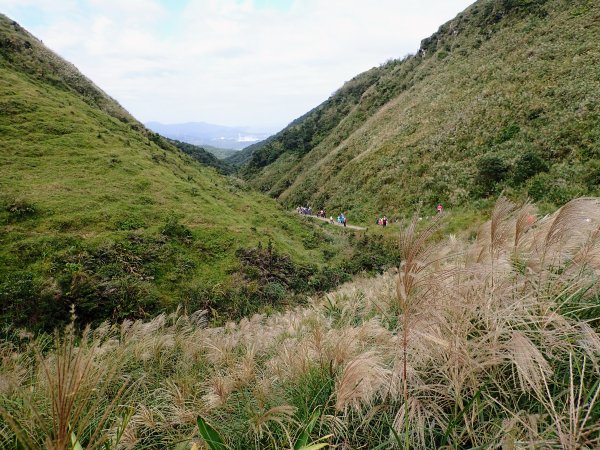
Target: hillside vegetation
505, 97
492, 343
100, 213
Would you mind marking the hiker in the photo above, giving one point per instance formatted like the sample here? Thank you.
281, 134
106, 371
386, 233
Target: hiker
331, 220
345, 219
440, 208
384, 221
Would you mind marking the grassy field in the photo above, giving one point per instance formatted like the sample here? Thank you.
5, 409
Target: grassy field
503, 98
486, 343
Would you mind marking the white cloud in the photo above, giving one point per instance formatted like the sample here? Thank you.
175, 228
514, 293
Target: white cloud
228, 61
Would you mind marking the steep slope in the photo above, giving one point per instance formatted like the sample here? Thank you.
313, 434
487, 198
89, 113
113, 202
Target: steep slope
100, 213
503, 97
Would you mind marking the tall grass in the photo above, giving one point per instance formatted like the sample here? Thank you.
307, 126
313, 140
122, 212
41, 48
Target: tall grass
489, 343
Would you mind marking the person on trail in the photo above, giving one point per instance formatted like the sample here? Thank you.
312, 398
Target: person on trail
440, 208
331, 220
345, 219
384, 221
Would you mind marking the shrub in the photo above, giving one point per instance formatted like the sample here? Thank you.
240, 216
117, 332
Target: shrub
538, 186
526, 166
274, 291
491, 170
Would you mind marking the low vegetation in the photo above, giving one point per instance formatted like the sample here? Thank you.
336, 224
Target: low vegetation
469, 344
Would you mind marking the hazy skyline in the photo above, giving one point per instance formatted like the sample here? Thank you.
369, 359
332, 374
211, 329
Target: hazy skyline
259, 63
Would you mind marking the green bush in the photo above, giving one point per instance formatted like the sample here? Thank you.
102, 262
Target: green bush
491, 170
274, 291
538, 186
526, 166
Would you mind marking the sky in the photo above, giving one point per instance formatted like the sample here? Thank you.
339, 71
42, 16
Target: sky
254, 63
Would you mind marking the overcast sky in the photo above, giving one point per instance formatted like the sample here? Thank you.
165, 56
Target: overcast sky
258, 63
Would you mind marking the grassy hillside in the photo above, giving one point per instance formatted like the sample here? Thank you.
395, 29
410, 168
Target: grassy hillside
100, 213
492, 343
503, 97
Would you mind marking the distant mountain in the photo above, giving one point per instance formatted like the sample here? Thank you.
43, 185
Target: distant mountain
503, 98
202, 134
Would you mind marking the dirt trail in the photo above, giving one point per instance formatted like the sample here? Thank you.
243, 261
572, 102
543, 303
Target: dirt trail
324, 219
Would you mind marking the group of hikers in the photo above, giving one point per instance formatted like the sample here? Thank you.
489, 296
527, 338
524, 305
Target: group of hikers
307, 211
383, 221
342, 219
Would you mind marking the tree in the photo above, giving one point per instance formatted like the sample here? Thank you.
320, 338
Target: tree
491, 170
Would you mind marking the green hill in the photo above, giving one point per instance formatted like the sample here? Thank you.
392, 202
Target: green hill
505, 97
98, 212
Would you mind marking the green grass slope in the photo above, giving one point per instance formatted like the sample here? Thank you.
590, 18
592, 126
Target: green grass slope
100, 213
505, 97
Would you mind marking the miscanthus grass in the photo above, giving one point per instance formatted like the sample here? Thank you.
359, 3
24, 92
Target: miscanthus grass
492, 343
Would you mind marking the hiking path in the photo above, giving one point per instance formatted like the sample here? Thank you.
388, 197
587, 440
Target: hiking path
325, 219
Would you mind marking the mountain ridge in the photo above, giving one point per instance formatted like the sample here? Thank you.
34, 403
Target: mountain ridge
203, 133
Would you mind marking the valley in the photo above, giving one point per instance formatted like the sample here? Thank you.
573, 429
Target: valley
413, 263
